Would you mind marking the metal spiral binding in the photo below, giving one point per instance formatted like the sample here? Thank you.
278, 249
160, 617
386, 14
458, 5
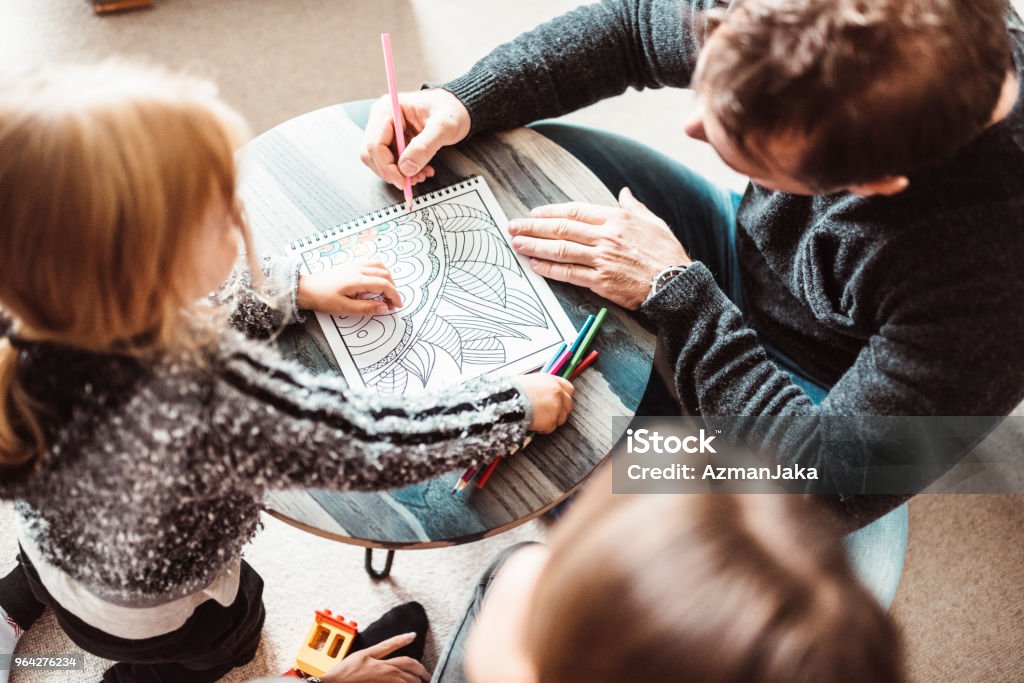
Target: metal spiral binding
394, 209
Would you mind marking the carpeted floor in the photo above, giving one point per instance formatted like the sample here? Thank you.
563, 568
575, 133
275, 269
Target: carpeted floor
961, 600
304, 573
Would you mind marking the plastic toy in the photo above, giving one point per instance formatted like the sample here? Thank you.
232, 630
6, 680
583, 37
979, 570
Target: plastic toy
329, 640
108, 6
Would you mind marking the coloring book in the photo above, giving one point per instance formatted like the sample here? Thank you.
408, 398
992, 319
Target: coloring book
471, 305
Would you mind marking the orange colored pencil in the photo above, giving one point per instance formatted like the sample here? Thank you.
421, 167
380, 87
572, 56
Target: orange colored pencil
485, 477
587, 362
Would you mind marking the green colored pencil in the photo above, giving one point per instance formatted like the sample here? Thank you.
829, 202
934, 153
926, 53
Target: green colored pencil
582, 350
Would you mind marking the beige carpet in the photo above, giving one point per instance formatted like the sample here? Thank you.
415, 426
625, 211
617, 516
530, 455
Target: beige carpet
304, 573
961, 598
961, 601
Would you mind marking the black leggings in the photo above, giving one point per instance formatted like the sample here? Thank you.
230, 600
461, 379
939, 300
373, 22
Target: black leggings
214, 640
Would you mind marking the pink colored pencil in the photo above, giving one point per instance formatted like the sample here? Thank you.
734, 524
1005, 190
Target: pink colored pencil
396, 111
560, 363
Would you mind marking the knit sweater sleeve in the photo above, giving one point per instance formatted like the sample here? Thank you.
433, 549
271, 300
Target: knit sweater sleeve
586, 55
285, 427
922, 361
259, 313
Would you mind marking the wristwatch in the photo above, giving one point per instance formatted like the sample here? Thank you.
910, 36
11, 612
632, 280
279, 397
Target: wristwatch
664, 277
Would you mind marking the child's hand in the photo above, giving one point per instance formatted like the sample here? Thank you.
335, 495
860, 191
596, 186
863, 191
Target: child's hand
370, 665
360, 289
551, 398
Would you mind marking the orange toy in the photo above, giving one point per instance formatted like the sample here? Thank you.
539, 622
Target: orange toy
329, 640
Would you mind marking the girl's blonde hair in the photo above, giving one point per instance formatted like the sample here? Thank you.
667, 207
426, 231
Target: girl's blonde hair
106, 173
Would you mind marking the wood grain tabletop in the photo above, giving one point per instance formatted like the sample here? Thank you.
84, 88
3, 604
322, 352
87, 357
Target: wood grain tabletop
305, 176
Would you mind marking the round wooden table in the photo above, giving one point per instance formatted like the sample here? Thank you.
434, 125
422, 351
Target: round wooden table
304, 176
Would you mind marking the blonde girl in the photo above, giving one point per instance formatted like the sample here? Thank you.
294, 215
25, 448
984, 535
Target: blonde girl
138, 432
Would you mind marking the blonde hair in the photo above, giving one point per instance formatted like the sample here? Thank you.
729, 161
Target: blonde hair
106, 172
714, 588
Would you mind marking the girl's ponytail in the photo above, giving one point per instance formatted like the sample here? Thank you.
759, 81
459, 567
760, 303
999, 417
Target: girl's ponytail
21, 437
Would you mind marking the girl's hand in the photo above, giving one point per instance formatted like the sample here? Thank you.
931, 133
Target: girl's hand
369, 665
551, 398
365, 288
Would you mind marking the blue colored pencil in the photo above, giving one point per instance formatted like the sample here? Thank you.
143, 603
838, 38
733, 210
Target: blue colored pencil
554, 358
580, 335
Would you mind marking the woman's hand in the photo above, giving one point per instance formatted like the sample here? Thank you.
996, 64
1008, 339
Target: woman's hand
614, 252
365, 288
551, 398
369, 665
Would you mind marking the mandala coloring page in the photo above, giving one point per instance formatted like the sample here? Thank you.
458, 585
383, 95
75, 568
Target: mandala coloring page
470, 304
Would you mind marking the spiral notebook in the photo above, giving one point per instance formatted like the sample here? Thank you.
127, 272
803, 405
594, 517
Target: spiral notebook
471, 305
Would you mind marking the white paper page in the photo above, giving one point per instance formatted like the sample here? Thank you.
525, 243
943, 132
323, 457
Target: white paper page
471, 305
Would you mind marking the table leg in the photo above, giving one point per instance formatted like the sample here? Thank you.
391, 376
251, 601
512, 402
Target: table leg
382, 574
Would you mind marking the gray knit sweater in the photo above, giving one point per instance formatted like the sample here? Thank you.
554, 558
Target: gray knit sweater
157, 468
908, 305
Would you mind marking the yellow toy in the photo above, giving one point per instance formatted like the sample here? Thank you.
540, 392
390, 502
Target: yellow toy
328, 641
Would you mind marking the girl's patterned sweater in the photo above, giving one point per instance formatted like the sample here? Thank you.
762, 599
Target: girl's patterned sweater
156, 468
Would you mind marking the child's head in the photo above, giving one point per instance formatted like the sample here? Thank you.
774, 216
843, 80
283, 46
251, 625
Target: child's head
117, 212
818, 95
711, 588
117, 201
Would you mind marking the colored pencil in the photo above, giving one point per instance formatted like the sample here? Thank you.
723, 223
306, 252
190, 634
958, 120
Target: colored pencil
482, 481
396, 111
567, 372
560, 363
581, 335
464, 480
486, 476
554, 358
562, 366
587, 362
